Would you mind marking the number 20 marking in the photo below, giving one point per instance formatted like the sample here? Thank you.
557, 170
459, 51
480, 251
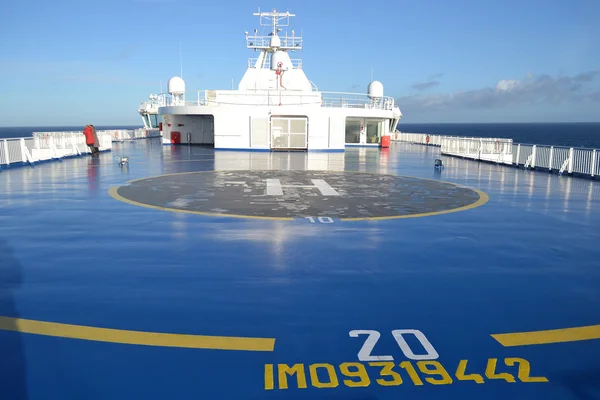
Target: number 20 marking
364, 353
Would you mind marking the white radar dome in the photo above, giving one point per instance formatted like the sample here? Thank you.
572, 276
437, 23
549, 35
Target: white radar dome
176, 86
375, 90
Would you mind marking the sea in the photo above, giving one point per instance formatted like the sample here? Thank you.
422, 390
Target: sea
583, 134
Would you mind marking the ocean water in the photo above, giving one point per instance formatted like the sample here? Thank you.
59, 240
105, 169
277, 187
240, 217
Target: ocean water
582, 134
557, 134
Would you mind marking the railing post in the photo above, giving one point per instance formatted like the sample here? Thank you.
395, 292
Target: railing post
571, 152
23, 153
533, 151
6, 152
593, 161
550, 161
51, 144
518, 153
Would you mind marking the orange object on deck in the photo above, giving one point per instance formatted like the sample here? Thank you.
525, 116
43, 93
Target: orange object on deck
385, 141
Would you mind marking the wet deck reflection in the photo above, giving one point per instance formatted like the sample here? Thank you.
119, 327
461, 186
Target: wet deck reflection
549, 193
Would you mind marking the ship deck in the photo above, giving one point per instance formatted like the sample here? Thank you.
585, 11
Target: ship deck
192, 273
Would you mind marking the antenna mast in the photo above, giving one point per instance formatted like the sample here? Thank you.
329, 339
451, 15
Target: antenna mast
180, 61
275, 20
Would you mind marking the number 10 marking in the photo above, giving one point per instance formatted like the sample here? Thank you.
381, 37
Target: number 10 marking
365, 352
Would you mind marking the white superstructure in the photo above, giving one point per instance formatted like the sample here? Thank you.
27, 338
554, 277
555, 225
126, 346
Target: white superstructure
276, 106
149, 112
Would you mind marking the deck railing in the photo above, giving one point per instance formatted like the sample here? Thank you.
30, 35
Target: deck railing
296, 62
578, 160
117, 135
276, 97
42, 146
121, 135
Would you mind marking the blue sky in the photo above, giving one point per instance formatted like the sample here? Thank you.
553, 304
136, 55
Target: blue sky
77, 62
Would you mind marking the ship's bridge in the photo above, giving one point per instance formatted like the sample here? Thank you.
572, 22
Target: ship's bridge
275, 105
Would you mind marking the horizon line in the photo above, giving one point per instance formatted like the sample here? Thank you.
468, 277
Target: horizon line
399, 123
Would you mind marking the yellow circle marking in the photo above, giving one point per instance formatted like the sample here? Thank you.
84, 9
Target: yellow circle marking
136, 337
483, 198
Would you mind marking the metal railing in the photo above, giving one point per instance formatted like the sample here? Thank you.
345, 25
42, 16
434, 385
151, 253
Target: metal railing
355, 100
264, 42
121, 135
560, 159
117, 135
44, 146
276, 97
296, 62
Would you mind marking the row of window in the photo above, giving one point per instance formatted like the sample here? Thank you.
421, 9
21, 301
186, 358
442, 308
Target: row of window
369, 129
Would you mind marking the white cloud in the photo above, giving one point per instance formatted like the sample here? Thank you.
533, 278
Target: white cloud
506, 85
531, 90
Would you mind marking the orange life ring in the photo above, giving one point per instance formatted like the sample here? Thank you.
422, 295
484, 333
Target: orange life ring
427, 139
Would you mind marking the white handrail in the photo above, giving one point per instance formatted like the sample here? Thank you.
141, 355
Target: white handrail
43, 146
117, 135
578, 160
274, 97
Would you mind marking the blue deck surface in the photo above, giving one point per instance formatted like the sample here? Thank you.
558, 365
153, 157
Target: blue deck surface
527, 260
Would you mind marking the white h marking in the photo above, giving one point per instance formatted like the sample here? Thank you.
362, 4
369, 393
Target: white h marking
324, 187
274, 187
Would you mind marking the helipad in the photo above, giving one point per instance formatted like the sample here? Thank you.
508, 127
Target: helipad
294, 194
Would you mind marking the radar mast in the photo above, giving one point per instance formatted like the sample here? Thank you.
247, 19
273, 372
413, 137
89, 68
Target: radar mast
273, 41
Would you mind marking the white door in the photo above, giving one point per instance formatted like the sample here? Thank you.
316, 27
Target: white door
202, 130
197, 130
289, 133
207, 131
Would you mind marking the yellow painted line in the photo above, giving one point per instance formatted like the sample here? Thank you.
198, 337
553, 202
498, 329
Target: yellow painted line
548, 336
136, 337
114, 193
